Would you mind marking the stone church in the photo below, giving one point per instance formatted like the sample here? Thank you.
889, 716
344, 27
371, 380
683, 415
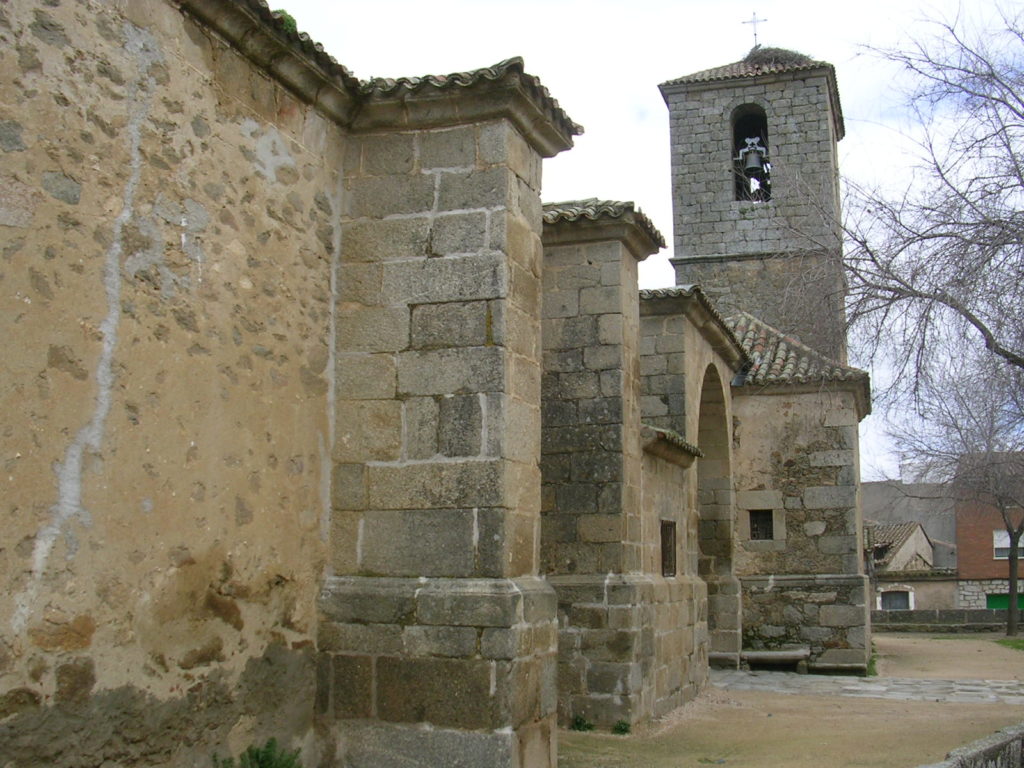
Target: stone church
318, 424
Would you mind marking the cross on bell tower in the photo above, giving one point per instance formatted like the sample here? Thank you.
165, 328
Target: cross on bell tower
754, 21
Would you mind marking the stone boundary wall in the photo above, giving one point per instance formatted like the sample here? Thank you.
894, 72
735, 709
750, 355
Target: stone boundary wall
939, 620
1003, 749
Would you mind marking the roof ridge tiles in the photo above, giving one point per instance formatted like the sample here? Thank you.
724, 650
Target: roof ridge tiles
389, 86
746, 68
594, 209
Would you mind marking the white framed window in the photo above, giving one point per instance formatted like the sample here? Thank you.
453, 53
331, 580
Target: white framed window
898, 597
1001, 545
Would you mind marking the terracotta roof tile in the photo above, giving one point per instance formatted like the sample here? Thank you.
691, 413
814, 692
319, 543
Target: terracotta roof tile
674, 438
387, 86
889, 537
759, 61
594, 209
740, 69
781, 359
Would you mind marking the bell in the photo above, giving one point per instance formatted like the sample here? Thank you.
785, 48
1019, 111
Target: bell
753, 155
754, 159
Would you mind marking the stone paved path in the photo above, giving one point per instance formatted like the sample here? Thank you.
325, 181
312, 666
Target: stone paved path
905, 688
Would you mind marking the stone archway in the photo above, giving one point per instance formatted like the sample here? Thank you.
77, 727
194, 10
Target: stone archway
716, 530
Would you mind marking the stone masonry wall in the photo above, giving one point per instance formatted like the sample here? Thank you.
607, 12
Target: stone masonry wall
591, 472
804, 466
797, 455
938, 620
438, 637
168, 229
680, 619
590, 448
825, 613
802, 214
800, 294
685, 359
632, 643
662, 369
972, 593
1003, 749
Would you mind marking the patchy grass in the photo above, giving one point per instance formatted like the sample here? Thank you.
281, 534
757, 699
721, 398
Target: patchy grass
872, 668
580, 723
1017, 643
267, 756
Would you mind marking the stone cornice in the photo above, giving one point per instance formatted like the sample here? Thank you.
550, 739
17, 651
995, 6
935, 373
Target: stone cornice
501, 91
860, 389
590, 221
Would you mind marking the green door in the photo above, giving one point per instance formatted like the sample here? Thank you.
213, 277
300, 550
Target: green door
1002, 602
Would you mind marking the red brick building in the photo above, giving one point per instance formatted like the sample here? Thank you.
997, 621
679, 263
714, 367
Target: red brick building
982, 551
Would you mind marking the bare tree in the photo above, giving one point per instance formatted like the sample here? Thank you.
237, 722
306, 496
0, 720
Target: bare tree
944, 260
969, 433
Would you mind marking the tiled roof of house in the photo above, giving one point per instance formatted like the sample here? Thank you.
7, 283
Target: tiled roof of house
889, 537
781, 359
594, 209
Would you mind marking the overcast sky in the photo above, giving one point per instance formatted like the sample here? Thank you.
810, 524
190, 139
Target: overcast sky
603, 60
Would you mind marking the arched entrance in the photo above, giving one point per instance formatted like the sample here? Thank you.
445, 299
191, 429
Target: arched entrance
716, 530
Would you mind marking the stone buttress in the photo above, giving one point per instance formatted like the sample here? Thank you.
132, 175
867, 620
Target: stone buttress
438, 638
630, 638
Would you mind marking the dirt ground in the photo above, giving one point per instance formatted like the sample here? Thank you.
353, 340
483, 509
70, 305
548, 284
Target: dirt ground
766, 730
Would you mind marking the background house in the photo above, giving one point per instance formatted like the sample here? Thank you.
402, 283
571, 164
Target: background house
909, 551
982, 552
967, 539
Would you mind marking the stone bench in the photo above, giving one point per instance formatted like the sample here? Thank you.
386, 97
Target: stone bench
796, 657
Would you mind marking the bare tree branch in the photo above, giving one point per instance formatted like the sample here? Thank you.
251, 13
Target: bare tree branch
944, 261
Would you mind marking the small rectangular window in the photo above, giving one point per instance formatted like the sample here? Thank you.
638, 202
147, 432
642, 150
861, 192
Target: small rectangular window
1001, 545
762, 526
668, 548
896, 600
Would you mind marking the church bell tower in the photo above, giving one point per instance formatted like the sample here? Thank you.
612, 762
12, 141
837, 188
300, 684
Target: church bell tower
756, 193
